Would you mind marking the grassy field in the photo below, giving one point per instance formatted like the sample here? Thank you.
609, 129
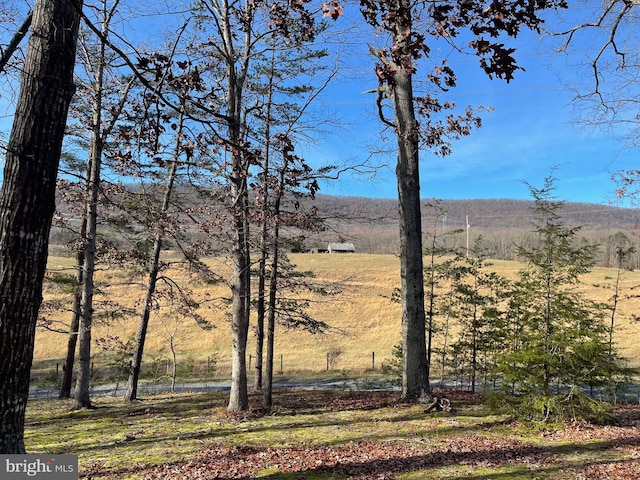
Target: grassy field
366, 321
316, 435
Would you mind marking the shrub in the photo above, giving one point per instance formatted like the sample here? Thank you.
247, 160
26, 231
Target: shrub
562, 407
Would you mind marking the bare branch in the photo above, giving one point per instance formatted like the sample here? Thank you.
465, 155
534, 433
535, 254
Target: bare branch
15, 41
143, 79
610, 41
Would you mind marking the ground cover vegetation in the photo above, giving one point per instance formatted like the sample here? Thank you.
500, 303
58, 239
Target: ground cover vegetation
326, 434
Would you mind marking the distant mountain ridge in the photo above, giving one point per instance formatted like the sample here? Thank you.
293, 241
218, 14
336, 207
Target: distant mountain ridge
371, 224
481, 213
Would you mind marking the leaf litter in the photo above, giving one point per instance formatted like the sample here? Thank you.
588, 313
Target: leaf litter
545, 451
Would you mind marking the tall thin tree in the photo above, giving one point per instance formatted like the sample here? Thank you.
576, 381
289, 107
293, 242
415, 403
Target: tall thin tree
102, 101
241, 30
408, 27
100, 130
182, 147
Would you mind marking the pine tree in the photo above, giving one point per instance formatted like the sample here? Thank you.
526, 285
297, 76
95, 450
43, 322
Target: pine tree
436, 272
558, 337
477, 306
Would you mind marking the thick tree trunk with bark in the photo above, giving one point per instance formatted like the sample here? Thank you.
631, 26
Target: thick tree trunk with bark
241, 285
27, 201
239, 396
415, 380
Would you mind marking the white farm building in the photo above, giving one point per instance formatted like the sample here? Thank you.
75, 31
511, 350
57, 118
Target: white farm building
341, 248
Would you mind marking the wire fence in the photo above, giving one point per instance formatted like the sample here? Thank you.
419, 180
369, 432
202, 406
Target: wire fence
109, 378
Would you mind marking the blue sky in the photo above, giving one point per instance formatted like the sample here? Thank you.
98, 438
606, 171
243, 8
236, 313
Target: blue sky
532, 132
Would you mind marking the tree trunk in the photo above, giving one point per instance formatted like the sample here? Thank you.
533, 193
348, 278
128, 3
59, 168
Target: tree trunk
27, 201
74, 327
259, 330
415, 380
136, 361
616, 294
267, 388
264, 234
546, 348
445, 340
239, 396
430, 314
174, 363
474, 334
83, 382
258, 380
241, 286
80, 330
72, 341
267, 398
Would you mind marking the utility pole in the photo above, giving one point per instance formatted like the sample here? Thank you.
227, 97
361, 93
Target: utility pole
468, 227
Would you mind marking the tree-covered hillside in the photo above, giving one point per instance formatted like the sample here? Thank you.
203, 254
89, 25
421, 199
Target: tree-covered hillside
372, 224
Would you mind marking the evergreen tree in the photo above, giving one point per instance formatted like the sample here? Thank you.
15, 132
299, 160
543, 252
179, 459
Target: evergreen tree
558, 335
436, 272
476, 305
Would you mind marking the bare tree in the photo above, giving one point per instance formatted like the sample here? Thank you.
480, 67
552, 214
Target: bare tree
12, 46
610, 98
182, 152
611, 62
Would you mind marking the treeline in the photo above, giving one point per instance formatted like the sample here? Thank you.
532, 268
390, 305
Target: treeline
482, 213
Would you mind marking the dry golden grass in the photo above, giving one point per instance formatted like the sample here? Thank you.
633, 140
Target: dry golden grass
363, 312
